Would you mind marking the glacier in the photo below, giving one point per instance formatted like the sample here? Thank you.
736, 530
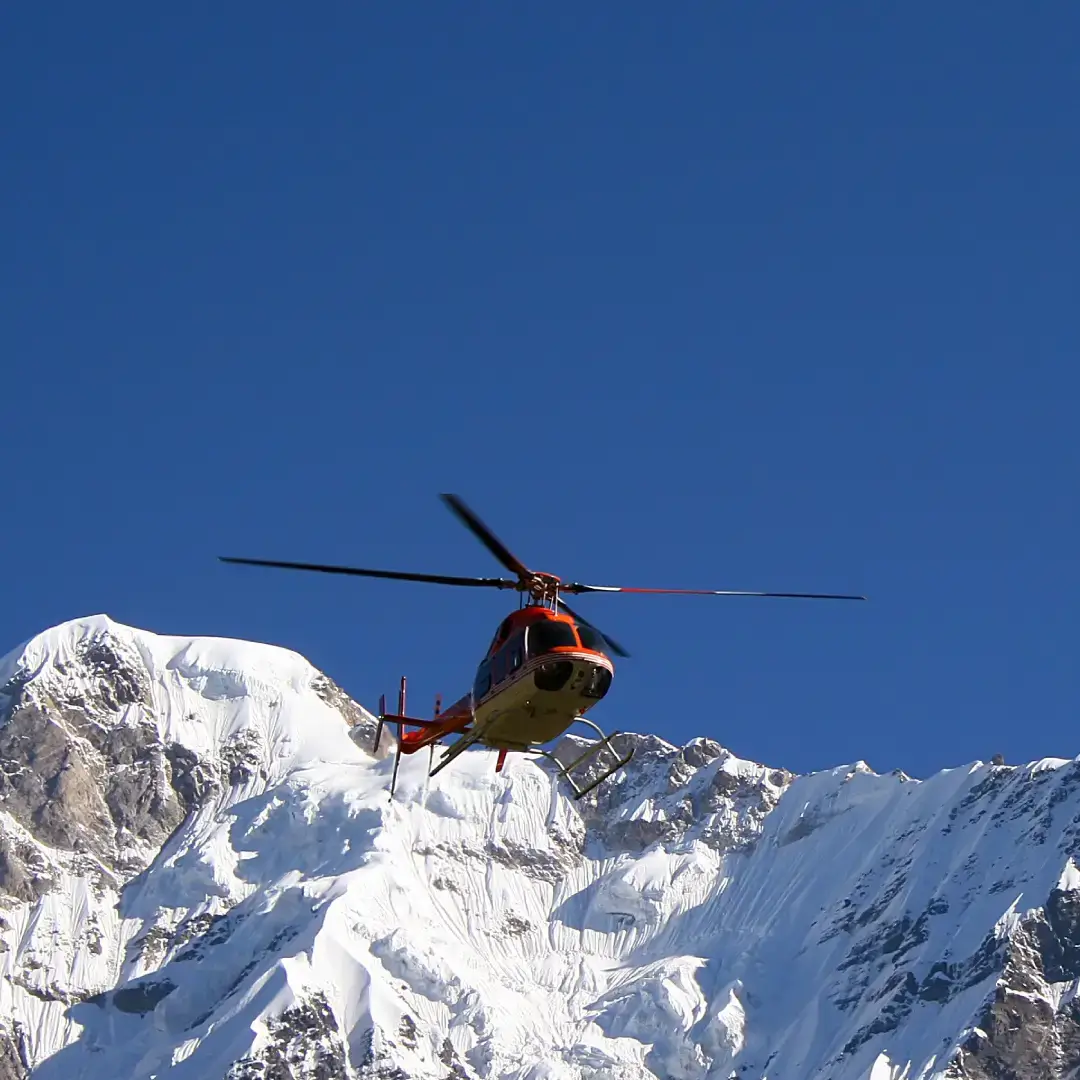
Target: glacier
202, 876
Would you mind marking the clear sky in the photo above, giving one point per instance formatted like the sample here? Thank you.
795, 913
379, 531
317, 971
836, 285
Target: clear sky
719, 295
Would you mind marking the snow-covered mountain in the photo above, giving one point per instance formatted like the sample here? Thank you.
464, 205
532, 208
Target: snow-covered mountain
201, 876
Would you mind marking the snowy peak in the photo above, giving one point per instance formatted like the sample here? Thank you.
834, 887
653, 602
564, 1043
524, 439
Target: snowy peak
201, 874
119, 675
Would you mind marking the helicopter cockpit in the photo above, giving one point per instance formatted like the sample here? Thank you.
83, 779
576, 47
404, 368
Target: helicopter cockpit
591, 638
514, 645
545, 635
542, 637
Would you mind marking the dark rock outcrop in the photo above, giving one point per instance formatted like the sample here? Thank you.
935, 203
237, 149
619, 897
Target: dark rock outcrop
1021, 1034
13, 1062
362, 723
699, 799
24, 872
303, 1043
83, 767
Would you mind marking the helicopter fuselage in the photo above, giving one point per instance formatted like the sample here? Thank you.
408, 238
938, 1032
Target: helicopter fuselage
541, 673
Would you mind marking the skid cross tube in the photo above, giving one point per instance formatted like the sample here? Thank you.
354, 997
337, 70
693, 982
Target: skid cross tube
594, 748
563, 771
619, 764
602, 743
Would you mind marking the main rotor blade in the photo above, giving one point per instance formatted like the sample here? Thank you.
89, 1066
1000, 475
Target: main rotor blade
575, 587
616, 648
487, 537
394, 575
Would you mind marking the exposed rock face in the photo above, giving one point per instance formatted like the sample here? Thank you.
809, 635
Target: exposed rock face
362, 723
24, 873
84, 768
726, 811
303, 1043
13, 1064
1031, 1026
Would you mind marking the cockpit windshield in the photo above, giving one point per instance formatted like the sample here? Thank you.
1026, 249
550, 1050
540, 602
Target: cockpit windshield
590, 638
548, 635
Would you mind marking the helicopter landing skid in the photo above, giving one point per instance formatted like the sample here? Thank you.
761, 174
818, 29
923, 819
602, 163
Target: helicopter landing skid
565, 771
459, 747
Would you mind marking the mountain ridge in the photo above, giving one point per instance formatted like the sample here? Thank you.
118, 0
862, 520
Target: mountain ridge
201, 875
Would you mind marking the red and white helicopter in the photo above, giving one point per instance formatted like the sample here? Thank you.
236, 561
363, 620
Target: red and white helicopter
544, 669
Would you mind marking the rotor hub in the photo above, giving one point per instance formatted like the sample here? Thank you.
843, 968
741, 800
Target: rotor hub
543, 588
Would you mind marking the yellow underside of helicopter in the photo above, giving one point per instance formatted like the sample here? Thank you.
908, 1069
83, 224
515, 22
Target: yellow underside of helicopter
519, 713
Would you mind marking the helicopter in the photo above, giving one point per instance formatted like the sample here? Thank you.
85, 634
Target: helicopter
546, 666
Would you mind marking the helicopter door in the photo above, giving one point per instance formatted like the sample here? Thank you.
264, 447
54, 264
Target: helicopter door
508, 659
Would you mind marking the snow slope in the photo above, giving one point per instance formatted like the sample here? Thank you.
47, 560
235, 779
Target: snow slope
226, 890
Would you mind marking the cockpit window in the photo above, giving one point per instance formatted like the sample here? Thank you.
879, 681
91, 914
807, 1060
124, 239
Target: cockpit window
483, 681
591, 638
503, 632
545, 636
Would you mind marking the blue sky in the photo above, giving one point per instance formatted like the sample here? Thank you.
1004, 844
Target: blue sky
710, 295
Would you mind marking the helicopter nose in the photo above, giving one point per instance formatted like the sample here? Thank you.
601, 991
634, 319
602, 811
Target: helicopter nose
582, 677
591, 680
553, 675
